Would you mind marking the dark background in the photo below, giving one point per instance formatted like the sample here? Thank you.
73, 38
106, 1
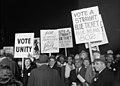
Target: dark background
21, 16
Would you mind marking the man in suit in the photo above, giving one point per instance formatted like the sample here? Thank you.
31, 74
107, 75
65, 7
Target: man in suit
44, 75
77, 76
105, 77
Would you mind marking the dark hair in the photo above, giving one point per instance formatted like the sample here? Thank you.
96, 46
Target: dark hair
61, 55
52, 57
28, 59
71, 55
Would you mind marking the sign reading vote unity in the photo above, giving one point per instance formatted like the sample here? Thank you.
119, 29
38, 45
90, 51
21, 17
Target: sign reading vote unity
49, 41
65, 38
86, 25
23, 44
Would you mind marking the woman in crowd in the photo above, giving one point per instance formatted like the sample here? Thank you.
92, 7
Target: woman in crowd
27, 69
83, 54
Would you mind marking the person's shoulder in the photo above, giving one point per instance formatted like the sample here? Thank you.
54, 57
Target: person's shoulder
34, 70
54, 70
72, 71
109, 73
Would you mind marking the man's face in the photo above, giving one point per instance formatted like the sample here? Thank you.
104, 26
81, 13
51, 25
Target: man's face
98, 65
78, 63
110, 58
86, 63
27, 62
51, 62
62, 60
70, 60
83, 55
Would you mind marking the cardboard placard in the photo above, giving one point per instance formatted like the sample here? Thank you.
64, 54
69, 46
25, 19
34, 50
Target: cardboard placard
49, 41
23, 44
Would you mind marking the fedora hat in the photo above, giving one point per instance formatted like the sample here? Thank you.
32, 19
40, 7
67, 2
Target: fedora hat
43, 59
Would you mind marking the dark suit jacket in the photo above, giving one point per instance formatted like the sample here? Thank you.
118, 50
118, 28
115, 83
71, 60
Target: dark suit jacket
105, 78
44, 76
73, 76
25, 74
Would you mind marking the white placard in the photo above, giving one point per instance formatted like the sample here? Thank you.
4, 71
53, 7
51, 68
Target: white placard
9, 49
23, 44
86, 25
65, 38
105, 39
49, 41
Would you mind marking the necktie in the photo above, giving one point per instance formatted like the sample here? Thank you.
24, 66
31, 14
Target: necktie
77, 70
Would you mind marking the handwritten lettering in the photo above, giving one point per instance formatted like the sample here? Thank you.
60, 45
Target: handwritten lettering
49, 46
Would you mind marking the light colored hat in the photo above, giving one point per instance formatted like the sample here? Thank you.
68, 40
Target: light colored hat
102, 59
109, 51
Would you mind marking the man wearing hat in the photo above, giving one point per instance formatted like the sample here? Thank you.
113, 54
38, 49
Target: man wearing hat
44, 75
105, 77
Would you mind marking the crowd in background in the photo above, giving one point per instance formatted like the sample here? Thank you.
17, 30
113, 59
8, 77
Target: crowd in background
61, 70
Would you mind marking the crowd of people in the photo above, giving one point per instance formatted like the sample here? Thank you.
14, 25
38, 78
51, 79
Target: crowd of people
61, 70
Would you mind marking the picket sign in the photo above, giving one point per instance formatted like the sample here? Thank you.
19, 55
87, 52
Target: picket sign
65, 38
66, 52
98, 47
49, 54
22, 66
49, 41
104, 40
23, 44
90, 50
86, 23
87, 28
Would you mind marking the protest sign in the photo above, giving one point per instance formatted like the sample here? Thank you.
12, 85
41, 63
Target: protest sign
104, 40
49, 41
65, 38
36, 46
86, 25
23, 44
9, 49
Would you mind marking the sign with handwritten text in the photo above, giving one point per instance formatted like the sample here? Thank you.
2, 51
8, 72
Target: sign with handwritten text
65, 38
86, 25
49, 41
104, 40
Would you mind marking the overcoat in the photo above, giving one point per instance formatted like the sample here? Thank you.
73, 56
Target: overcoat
44, 76
105, 78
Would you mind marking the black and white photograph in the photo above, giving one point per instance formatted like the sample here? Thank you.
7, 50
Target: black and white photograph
60, 43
